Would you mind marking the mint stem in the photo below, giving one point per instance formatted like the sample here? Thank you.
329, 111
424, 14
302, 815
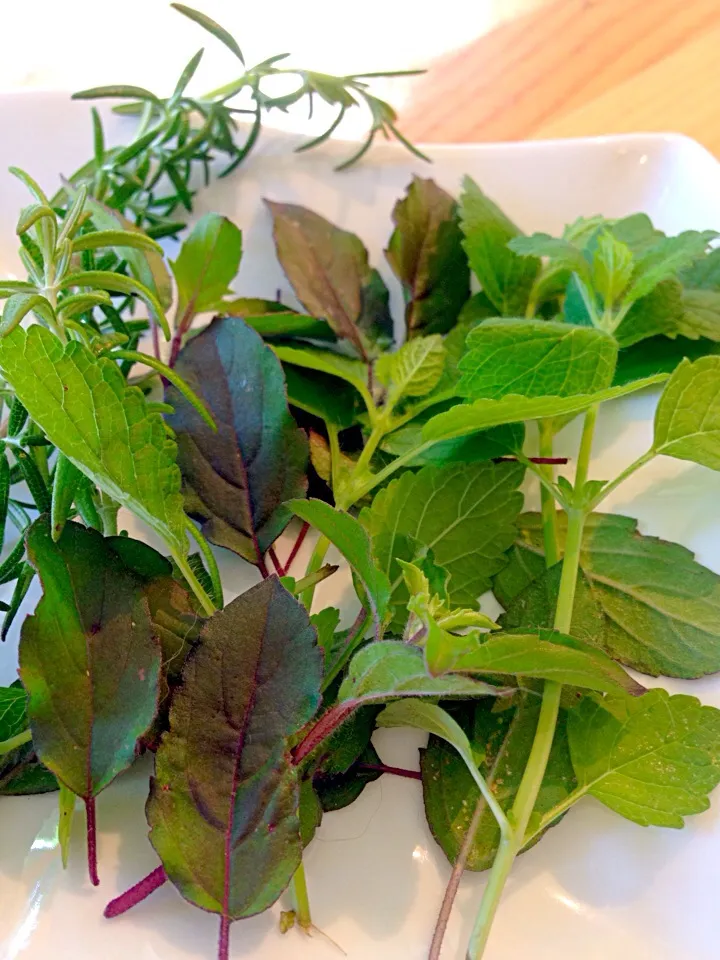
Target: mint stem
296, 546
126, 901
92, 841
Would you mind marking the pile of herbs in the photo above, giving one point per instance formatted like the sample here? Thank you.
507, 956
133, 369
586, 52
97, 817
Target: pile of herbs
413, 448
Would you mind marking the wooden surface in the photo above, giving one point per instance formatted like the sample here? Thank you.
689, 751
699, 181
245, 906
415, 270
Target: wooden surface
578, 68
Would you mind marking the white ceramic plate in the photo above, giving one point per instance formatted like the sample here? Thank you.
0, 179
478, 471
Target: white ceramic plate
596, 886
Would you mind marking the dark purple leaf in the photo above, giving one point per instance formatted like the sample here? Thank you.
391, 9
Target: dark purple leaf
236, 479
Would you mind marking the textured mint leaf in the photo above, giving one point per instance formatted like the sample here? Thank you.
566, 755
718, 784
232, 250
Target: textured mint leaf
415, 369
612, 267
550, 656
208, 261
329, 271
535, 359
392, 670
496, 442
88, 659
661, 311
85, 408
653, 760
237, 478
665, 259
659, 355
637, 232
345, 533
13, 714
328, 398
466, 418
646, 602
561, 252
687, 419
463, 514
700, 316
223, 805
505, 277
500, 741
425, 252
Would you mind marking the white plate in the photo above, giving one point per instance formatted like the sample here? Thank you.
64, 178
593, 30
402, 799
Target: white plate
596, 886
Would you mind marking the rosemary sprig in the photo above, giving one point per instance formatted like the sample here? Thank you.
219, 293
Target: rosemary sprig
152, 179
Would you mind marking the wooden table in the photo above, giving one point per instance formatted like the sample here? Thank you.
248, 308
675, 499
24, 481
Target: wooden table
579, 68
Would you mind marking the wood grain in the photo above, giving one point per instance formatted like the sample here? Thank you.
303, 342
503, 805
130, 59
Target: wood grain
578, 67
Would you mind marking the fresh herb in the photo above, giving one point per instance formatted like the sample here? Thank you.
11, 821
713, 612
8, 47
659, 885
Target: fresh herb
261, 713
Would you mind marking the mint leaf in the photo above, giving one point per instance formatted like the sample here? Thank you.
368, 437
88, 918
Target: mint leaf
464, 514
505, 277
345, 533
700, 316
21, 772
89, 661
223, 805
653, 760
612, 267
353, 372
336, 791
661, 311
273, 320
496, 442
500, 740
237, 478
208, 261
644, 601
659, 355
391, 670
328, 398
535, 359
84, 407
425, 252
329, 271
637, 232
665, 259
466, 418
687, 419
415, 369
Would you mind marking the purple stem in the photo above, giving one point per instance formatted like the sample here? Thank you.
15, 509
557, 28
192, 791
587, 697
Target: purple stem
395, 771
92, 841
224, 941
296, 547
327, 724
555, 461
275, 562
136, 894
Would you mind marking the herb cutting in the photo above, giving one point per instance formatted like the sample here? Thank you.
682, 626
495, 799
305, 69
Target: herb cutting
398, 443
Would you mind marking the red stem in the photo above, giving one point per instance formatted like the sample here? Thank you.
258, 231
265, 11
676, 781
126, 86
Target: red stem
276, 563
296, 547
136, 894
395, 771
224, 941
327, 724
262, 567
555, 461
92, 841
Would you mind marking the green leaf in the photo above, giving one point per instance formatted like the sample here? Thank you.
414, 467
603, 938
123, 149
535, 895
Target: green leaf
345, 533
66, 815
496, 442
506, 278
637, 232
700, 315
665, 259
652, 760
274, 320
661, 311
236, 479
212, 27
353, 372
392, 670
500, 740
223, 805
535, 359
474, 311
687, 418
310, 812
118, 283
464, 514
19, 305
645, 602
612, 267
115, 238
415, 369
88, 659
329, 398
147, 266
425, 252
561, 252
86, 410
338, 790
466, 418
550, 656
659, 355
329, 271
116, 91
208, 261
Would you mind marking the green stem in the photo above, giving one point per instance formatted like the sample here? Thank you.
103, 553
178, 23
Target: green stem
302, 900
6, 746
108, 511
531, 782
627, 472
334, 439
547, 500
194, 584
317, 558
